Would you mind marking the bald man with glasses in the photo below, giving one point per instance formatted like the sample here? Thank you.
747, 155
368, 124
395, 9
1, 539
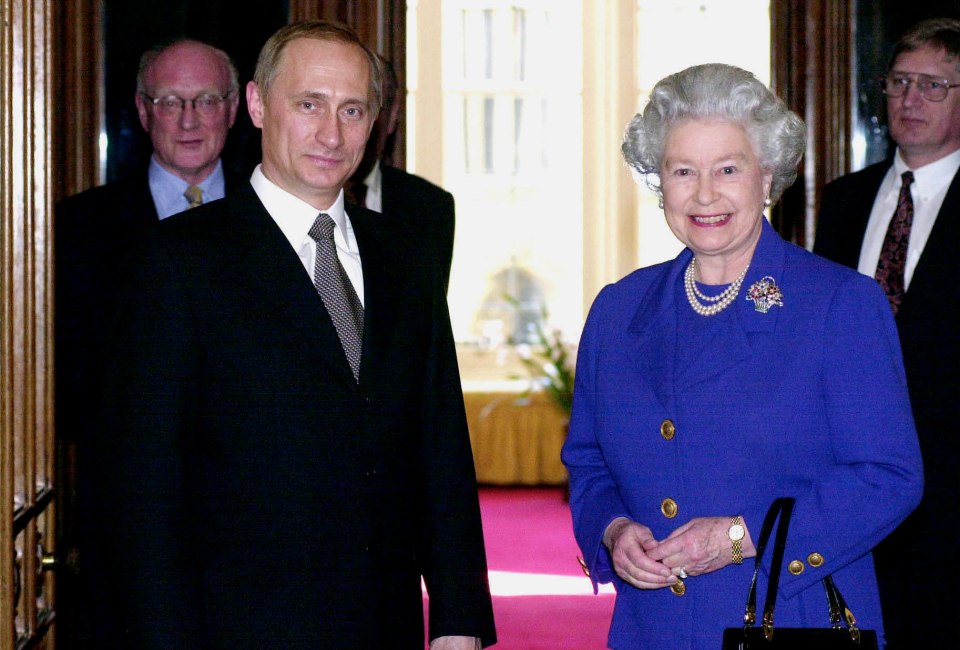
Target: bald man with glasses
187, 96
899, 221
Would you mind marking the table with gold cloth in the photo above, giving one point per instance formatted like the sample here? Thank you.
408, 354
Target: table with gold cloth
516, 440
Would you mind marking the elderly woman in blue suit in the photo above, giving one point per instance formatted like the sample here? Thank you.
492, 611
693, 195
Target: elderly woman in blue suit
743, 370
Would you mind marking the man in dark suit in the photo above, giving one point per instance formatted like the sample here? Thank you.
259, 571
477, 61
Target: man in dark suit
426, 209
284, 447
918, 564
187, 98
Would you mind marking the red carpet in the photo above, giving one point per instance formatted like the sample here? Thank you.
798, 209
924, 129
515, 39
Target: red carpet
541, 599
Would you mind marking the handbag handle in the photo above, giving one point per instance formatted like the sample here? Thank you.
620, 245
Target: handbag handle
750, 615
782, 508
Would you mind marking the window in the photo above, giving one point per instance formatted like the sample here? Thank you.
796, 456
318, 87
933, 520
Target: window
518, 110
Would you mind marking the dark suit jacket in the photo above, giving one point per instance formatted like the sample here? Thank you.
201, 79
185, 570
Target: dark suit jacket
929, 325
95, 234
428, 208
260, 497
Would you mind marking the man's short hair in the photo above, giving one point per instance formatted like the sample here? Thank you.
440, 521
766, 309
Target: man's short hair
938, 33
321, 30
390, 83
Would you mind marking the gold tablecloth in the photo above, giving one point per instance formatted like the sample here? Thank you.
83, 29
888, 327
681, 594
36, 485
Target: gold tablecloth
516, 440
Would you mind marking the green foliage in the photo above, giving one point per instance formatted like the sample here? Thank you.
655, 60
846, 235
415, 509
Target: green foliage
548, 361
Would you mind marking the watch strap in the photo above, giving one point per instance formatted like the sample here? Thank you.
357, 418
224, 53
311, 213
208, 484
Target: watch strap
736, 544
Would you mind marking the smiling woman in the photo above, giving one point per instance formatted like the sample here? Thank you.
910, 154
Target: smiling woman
679, 348
713, 195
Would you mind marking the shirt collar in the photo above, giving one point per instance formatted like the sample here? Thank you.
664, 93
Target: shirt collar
373, 183
167, 188
936, 174
295, 216
373, 178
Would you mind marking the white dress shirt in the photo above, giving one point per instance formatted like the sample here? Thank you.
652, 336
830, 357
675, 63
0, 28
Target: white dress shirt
295, 217
374, 182
930, 185
167, 189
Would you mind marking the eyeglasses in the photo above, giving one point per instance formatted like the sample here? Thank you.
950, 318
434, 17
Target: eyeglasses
930, 88
207, 104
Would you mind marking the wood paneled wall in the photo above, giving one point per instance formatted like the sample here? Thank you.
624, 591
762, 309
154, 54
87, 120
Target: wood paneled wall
812, 53
78, 96
26, 412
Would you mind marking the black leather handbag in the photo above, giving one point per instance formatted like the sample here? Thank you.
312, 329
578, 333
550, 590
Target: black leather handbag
843, 633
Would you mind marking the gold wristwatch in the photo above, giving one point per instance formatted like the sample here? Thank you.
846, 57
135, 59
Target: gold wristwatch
736, 533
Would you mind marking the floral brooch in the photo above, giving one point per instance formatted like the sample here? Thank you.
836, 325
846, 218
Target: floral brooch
765, 294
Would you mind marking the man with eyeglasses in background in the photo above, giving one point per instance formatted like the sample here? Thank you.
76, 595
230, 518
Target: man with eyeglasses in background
899, 221
187, 97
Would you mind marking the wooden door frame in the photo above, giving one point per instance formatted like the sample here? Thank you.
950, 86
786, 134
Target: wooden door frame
79, 96
27, 524
812, 65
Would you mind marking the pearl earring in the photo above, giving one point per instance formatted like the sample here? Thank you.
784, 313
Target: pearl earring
660, 203
767, 202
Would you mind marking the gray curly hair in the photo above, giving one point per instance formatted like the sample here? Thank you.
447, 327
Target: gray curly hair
717, 91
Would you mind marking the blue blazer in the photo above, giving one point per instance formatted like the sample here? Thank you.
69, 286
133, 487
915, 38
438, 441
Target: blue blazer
807, 400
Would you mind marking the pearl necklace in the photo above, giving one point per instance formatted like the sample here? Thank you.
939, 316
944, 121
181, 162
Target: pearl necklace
720, 302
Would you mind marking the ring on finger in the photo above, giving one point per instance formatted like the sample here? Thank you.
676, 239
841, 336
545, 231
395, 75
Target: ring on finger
683, 573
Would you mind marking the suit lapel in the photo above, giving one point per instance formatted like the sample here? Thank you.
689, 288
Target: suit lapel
861, 206
138, 193
656, 330
728, 344
276, 276
723, 347
395, 192
652, 334
378, 284
936, 266
849, 201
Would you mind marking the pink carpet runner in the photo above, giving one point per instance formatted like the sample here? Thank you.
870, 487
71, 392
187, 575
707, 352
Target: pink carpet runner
541, 599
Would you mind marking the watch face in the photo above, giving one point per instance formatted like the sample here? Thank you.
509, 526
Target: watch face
736, 532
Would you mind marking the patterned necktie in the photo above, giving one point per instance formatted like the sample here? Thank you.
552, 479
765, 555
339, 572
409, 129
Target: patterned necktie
194, 196
337, 292
893, 255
